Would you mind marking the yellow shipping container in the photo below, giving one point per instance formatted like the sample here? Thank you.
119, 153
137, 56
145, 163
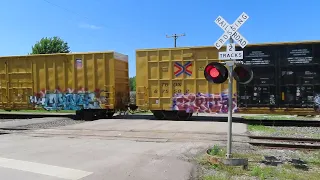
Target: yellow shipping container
97, 82
171, 82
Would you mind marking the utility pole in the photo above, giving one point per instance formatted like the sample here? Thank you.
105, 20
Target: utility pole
175, 36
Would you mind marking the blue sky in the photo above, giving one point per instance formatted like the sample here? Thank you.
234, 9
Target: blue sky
127, 25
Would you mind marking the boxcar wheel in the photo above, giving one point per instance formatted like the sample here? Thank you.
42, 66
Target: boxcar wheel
88, 116
182, 115
79, 115
110, 115
159, 114
170, 115
102, 114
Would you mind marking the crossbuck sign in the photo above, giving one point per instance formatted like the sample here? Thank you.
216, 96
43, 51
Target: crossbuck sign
231, 31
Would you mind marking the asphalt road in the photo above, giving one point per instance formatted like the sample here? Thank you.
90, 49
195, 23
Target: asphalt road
114, 149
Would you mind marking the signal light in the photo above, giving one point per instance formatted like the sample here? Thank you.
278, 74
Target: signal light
216, 73
242, 74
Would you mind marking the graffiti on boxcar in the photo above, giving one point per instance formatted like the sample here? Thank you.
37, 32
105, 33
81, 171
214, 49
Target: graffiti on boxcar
317, 102
68, 100
203, 103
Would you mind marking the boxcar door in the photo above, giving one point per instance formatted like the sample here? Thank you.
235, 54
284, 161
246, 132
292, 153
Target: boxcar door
20, 83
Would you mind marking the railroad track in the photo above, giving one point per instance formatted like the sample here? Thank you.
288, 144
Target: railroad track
298, 123
168, 136
285, 142
34, 115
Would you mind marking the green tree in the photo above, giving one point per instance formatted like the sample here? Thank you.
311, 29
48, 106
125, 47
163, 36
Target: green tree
132, 83
50, 46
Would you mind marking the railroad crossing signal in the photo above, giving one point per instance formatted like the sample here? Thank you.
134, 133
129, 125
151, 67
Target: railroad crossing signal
217, 73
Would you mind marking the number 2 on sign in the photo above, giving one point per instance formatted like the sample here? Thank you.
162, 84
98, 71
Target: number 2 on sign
231, 47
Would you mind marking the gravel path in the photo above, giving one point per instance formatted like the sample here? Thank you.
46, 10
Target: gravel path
37, 123
50, 124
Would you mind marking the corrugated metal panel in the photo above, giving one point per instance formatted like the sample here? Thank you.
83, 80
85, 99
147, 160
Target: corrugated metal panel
63, 81
173, 79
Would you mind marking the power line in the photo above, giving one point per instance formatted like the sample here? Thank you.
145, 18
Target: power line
175, 37
68, 10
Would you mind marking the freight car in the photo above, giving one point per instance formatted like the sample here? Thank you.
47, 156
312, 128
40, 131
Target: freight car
94, 85
170, 82
286, 78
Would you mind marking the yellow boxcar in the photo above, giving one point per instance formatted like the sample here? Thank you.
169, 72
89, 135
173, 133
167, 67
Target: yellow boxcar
170, 82
93, 84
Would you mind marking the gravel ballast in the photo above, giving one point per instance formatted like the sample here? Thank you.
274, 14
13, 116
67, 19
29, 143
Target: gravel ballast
297, 132
37, 123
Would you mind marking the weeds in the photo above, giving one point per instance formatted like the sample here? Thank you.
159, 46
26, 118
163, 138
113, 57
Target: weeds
261, 128
312, 158
231, 170
250, 157
256, 170
39, 111
217, 151
263, 173
284, 172
215, 177
270, 117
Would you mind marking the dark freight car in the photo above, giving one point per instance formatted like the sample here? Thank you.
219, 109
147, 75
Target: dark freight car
299, 75
285, 76
262, 90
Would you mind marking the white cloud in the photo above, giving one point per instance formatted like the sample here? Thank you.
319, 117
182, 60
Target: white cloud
89, 26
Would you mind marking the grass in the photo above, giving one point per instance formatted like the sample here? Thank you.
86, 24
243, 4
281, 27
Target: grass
256, 170
285, 172
262, 173
142, 112
221, 152
215, 177
217, 151
277, 117
43, 111
271, 117
37, 111
261, 128
269, 130
251, 157
311, 157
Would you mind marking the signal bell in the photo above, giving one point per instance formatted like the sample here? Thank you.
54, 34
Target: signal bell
216, 73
